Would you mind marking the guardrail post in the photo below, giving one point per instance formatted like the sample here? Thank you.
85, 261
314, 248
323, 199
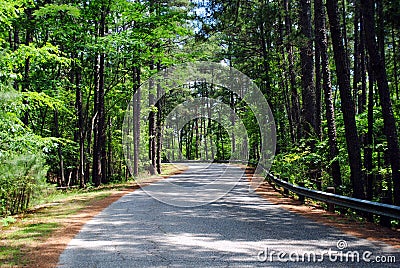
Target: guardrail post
301, 197
331, 206
385, 221
285, 191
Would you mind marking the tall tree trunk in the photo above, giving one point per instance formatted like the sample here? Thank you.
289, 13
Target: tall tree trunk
159, 124
59, 149
283, 80
233, 122
322, 44
357, 57
81, 127
96, 166
90, 128
318, 78
209, 125
368, 145
136, 120
362, 99
152, 126
347, 104
378, 67
344, 32
266, 68
99, 145
380, 34
307, 69
232, 115
110, 169
196, 137
396, 81
203, 121
295, 108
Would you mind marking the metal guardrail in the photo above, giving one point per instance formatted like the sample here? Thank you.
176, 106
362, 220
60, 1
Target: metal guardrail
340, 200
376, 208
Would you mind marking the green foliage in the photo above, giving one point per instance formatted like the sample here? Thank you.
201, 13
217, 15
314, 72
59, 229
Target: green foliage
22, 167
51, 10
292, 165
21, 178
7, 220
301, 164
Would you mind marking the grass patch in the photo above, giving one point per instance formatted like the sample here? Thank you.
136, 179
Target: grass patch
9, 256
34, 230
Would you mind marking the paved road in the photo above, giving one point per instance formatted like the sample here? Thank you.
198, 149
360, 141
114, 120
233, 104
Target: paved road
239, 230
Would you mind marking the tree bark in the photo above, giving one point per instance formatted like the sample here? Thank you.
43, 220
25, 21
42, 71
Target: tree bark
368, 145
110, 169
380, 33
81, 127
318, 78
209, 125
295, 106
362, 99
159, 124
347, 104
344, 32
136, 119
59, 149
307, 69
396, 81
322, 44
266, 68
99, 145
283, 80
378, 66
357, 57
152, 126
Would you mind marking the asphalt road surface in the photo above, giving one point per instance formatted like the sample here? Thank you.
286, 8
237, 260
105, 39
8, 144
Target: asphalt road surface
241, 229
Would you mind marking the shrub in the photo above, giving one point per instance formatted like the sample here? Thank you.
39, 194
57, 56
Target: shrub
21, 178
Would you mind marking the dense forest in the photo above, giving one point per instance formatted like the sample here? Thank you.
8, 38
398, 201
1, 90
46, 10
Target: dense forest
69, 69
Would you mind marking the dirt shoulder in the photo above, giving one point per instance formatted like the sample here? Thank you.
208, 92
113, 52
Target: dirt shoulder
344, 223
